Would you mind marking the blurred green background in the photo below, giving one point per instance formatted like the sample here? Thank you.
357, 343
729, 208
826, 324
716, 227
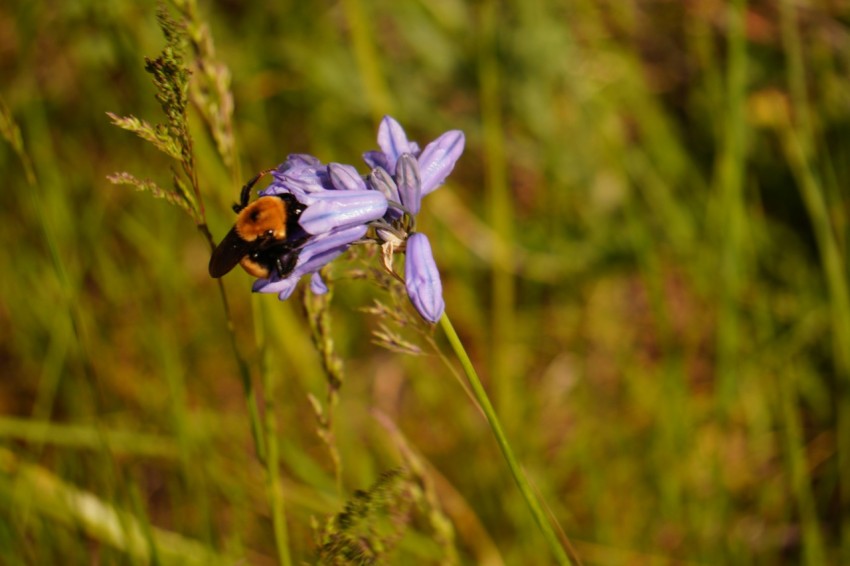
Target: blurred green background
643, 249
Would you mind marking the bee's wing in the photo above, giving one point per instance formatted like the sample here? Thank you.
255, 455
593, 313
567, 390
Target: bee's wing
229, 252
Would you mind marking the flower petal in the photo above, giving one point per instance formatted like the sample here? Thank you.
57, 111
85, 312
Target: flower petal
318, 285
381, 181
339, 209
345, 177
438, 159
317, 253
375, 159
333, 241
283, 287
409, 184
422, 278
393, 141
298, 160
302, 182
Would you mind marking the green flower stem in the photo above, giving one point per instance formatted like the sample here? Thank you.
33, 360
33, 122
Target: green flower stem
244, 371
519, 475
278, 505
273, 481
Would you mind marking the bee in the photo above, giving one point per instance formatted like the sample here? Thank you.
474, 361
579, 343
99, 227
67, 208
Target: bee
266, 237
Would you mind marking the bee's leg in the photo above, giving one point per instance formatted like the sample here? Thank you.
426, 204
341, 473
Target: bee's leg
245, 195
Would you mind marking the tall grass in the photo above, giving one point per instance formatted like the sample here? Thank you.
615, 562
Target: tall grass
643, 251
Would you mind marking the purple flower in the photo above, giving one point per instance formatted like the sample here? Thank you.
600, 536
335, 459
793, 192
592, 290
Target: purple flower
338, 208
422, 279
434, 163
334, 195
409, 183
404, 174
332, 210
316, 253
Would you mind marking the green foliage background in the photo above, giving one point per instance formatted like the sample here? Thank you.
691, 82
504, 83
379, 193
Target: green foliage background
643, 249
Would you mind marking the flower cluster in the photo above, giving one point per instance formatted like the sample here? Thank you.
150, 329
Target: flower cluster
338, 208
343, 208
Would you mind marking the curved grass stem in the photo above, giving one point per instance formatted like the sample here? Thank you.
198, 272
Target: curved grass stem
273, 479
528, 494
241, 363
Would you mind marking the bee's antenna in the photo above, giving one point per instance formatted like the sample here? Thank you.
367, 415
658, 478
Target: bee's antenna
245, 196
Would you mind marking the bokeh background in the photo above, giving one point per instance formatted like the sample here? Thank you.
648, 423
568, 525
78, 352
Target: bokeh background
643, 249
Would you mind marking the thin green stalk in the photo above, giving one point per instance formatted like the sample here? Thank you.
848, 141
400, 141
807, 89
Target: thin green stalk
367, 58
281, 535
531, 499
799, 479
730, 214
214, 82
278, 508
244, 371
87, 437
316, 307
799, 144
501, 214
834, 269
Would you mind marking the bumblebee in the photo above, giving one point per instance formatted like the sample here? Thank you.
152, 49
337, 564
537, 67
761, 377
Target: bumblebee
266, 237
